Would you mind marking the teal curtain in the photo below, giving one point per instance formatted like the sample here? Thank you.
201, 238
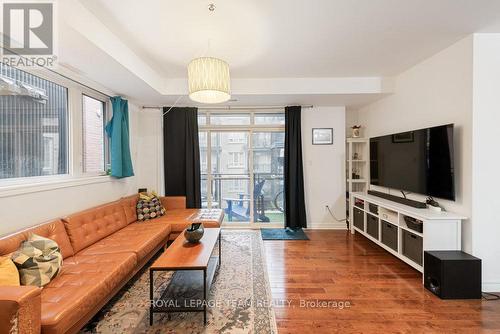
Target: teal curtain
118, 133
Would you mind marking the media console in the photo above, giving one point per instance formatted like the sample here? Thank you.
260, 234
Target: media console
383, 222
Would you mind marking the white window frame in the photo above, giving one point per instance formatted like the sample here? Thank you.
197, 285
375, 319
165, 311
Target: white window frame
75, 175
106, 118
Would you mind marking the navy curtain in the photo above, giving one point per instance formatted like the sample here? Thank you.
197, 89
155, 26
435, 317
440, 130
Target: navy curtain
118, 133
181, 155
295, 208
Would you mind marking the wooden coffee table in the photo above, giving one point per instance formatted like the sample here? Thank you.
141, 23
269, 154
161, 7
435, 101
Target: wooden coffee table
182, 256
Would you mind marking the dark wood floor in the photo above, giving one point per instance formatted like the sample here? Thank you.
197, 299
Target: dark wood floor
385, 295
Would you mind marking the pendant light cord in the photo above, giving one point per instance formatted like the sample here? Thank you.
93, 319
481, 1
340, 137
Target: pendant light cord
175, 103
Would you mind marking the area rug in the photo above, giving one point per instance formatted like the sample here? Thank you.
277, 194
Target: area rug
240, 297
283, 234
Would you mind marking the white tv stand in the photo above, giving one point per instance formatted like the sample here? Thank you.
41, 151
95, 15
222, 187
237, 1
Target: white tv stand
441, 230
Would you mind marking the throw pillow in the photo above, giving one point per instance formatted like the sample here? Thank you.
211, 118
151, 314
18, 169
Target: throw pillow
9, 276
38, 260
149, 207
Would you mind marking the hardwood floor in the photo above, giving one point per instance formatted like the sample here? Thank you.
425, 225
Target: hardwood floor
385, 295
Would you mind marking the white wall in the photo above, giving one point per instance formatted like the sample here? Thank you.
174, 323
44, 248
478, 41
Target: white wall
434, 92
323, 164
324, 174
459, 85
149, 139
21, 211
486, 157
351, 119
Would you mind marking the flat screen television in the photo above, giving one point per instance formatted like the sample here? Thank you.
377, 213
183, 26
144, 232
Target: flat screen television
419, 161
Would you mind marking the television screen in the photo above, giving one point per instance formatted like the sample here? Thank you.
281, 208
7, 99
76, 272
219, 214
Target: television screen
419, 161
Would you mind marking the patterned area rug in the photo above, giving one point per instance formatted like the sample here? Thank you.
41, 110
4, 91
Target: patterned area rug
239, 299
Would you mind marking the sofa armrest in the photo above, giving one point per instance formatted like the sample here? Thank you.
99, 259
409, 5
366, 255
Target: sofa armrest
173, 202
20, 309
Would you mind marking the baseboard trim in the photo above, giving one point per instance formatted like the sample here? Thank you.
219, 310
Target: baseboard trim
327, 226
491, 286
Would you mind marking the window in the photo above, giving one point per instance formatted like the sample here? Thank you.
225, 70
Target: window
230, 119
269, 119
93, 135
203, 140
261, 140
262, 162
238, 186
237, 138
33, 125
236, 160
202, 119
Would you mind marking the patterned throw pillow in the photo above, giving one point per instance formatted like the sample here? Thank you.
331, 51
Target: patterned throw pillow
38, 260
149, 207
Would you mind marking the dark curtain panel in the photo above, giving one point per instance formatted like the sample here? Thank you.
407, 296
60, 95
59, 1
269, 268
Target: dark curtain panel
295, 208
181, 155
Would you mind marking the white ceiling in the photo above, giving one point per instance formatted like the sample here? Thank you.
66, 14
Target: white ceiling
321, 52
84, 59
294, 38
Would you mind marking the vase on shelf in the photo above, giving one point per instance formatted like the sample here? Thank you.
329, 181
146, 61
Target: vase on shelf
356, 131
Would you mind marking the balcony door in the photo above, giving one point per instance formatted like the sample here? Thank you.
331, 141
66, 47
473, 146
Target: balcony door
242, 166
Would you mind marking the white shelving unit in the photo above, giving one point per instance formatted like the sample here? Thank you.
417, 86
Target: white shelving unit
359, 165
441, 230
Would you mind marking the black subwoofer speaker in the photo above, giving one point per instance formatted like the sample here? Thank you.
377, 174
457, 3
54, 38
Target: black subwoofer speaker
452, 274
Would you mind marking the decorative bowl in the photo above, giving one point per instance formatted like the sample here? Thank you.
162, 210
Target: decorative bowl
193, 234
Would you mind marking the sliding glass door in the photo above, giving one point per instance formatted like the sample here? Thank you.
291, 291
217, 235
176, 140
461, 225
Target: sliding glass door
268, 160
242, 166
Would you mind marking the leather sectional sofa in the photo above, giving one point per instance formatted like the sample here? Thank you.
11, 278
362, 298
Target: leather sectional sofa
103, 248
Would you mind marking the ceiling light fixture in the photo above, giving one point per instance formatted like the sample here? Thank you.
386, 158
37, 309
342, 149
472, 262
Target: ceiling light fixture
208, 78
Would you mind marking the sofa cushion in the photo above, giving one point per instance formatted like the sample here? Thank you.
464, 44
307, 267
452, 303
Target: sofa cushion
129, 204
85, 281
54, 230
87, 227
38, 260
140, 238
180, 219
173, 202
178, 227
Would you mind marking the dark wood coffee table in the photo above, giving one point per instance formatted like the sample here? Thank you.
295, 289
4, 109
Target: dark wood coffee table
182, 256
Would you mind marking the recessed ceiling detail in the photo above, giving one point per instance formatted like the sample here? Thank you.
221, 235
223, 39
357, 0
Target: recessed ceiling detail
301, 38
329, 51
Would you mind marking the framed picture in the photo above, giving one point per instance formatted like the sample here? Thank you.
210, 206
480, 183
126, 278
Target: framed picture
322, 136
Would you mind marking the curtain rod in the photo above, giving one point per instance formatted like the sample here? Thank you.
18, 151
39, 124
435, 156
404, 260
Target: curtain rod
233, 107
55, 72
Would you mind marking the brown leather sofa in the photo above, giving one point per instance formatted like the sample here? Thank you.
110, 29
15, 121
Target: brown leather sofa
103, 248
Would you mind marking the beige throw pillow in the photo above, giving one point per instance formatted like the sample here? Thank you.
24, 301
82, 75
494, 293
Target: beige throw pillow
38, 260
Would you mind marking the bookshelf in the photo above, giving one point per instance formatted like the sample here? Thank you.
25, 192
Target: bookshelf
357, 169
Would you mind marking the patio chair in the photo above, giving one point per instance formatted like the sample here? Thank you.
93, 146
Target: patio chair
236, 208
